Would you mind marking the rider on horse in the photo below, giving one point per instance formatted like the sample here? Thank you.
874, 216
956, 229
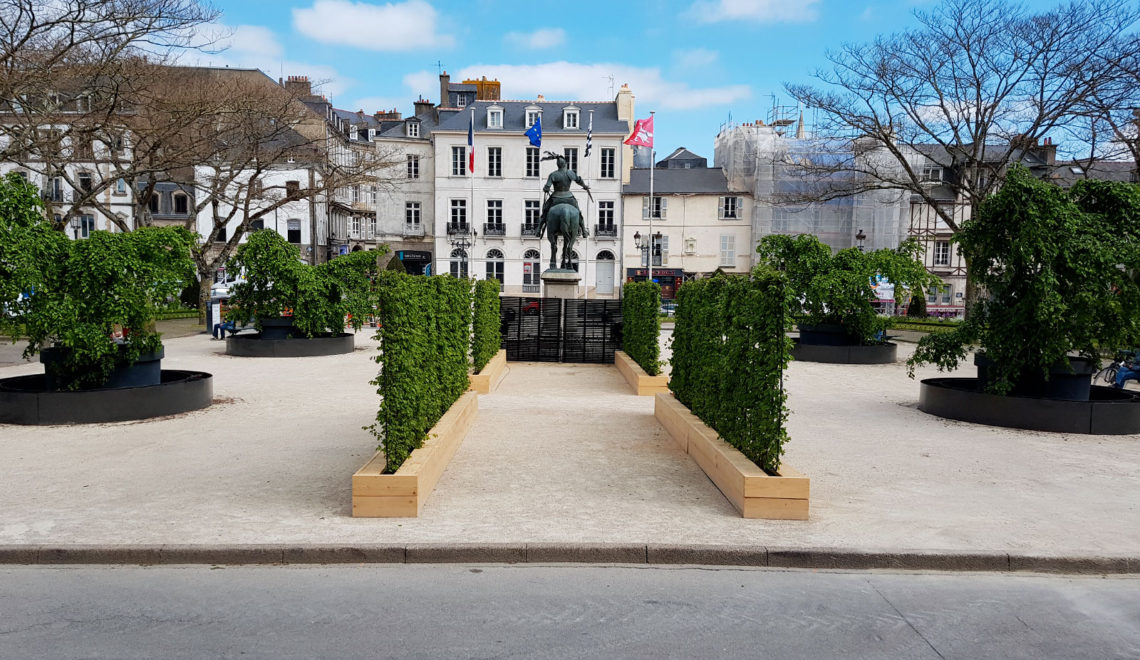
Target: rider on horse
560, 179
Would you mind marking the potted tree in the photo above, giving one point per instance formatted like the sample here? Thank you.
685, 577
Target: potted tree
835, 293
87, 307
1058, 271
286, 299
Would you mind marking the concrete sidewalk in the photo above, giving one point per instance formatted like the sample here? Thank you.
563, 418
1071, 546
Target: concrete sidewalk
562, 464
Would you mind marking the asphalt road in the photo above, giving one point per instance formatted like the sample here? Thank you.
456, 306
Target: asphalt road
558, 611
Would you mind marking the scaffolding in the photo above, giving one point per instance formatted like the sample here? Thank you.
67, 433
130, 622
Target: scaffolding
761, 158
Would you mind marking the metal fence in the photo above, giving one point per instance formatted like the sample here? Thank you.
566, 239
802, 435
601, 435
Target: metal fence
556, 330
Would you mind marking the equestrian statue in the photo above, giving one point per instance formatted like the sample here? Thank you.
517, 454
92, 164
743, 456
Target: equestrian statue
560, 212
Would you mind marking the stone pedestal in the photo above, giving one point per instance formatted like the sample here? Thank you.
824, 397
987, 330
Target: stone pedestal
560, 283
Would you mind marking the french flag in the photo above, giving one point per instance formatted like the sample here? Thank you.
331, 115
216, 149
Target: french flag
471, 143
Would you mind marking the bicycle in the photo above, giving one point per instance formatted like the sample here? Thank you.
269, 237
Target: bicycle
1108, 373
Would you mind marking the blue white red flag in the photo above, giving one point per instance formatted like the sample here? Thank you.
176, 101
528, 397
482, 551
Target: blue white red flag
471, 143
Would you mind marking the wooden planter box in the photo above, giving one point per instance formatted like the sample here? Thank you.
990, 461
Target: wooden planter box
488, 380
753, 492
642, 383
402, 495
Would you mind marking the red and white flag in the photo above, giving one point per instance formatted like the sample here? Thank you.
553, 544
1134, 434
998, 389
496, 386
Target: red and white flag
642, 133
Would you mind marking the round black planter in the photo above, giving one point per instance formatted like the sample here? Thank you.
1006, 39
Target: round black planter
1108, 411
826, 334
1069, 382
279, 328
146, 370
26, 400
875, 354
259, 346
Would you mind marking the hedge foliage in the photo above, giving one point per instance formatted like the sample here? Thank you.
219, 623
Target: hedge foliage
729, 354
640, 328
486, 339
424, 332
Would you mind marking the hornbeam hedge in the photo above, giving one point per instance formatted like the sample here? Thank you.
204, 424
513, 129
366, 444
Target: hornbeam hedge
424, 326
640, 302
486, 339
729, 354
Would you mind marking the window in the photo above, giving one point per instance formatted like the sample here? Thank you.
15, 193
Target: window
372, 226
371, 134
412, 214
605, 215
459, 213
728, 251
941, 253
181, 204
690, 246
660, 204
371, 194
730, 208
570, 118
660, 252
931, 172
461, 100
413, 129
85, 182
152, 203
355, 194
494, 161
532, 210
495, 212
55, 189
495, 266
292, 189
459, 263
532, 115
257, 225
355, 226
939, 295
353, 133
494, 118
120, 187
221, 237
532, 162
86, 225
413, 166
532, 269
459, 161
608, 160
293, 229
571, 154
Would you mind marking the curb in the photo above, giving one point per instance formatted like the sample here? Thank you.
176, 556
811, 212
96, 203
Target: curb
555, 553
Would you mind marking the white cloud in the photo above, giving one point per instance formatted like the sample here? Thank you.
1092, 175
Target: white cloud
423, 84
399, 26
760, 11
372, 104
541, 38
566, 81
867, 14
695, 58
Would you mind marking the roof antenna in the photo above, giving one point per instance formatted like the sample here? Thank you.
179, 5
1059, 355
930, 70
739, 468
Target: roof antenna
439, 67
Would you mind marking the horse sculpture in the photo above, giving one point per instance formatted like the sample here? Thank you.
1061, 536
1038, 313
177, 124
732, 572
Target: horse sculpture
565, 221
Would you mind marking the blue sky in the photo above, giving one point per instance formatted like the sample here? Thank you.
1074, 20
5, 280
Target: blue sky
694, 62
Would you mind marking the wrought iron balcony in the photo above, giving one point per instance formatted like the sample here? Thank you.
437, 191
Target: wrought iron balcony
458, 228
416, 229
531, 288
605, 231
529, 230
494, 229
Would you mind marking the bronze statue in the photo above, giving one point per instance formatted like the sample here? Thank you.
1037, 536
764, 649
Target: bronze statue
561, 212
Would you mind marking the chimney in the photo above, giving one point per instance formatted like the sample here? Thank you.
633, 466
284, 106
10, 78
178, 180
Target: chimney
423, 106
298, 86
1049, 152
444, 88
388, 115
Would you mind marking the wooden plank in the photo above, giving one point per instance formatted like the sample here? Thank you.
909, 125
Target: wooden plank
493, 373
779, 487
670, 418
771, 508
372, 485
385, 507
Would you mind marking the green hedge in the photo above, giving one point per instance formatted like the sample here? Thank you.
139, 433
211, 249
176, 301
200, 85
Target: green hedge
729, 355
640, 302
486, 339
424, 333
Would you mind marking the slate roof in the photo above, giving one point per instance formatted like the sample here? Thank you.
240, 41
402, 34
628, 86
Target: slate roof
681, 153
1103, 170
697, 181
514, 118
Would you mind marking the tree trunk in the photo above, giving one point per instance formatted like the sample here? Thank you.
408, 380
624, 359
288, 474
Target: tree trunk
204, 282
971, 287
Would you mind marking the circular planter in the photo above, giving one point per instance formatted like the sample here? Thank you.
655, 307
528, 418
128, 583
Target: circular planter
278, 328
27, 400
259, 346
874, 354
146, 370
1108, 411
825, 334
1069, 381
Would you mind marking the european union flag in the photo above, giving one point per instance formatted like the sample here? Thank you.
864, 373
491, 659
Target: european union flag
535, 132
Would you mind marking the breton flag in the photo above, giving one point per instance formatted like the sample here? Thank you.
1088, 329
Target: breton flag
471, 143
589, 135
642, 133
535, 132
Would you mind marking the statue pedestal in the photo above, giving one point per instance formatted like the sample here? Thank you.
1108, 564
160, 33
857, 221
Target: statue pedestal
560, 283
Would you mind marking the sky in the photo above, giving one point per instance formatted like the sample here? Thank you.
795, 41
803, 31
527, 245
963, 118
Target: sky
697, 63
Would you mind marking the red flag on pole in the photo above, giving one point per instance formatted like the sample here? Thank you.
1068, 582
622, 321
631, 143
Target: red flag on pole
642, 133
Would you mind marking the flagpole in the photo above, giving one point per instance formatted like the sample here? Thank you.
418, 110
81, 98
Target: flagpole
586, 242
652, 158
471, 174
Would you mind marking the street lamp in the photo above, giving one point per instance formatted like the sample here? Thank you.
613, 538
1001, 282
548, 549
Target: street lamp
860, 237
465, 242
75, 226
647, 245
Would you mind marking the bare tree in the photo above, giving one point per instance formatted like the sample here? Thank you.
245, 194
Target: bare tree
970, 89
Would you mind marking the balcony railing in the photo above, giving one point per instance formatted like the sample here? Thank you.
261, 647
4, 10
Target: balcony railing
494, 229
416, 229
605, 231
529, 230
458, 228
531, 288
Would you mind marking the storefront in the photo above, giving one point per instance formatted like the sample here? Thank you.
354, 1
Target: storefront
669, 278
416, 262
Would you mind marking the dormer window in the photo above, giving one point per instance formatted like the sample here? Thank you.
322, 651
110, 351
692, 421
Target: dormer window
570, 118
461, 100
532, 114
353, 133
413, 129
371, 134
494, 117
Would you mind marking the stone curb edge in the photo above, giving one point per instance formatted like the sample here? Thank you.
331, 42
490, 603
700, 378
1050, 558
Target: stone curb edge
552, 553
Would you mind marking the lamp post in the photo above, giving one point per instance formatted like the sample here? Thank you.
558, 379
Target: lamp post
75, 226
648, 244
465, 242
859, 238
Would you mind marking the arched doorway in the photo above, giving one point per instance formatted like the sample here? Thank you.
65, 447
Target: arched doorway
532, 269
495, 266
604, 272
459, 263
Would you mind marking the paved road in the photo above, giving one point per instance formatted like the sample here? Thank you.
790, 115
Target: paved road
558, 611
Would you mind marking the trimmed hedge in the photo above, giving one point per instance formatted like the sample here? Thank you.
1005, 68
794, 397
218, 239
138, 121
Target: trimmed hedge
486, 339
640, 303
729, 354
424, 332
